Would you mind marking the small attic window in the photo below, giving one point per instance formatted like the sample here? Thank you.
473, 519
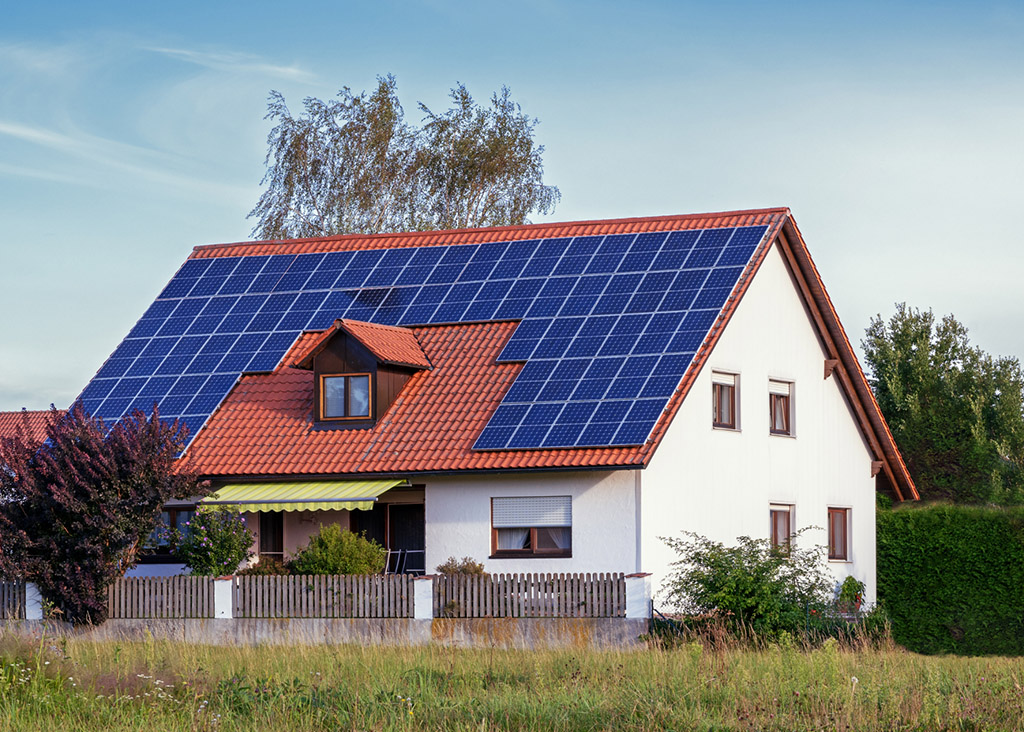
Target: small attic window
345, 396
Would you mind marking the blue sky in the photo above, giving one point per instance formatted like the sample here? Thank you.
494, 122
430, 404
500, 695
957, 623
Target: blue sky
131, 132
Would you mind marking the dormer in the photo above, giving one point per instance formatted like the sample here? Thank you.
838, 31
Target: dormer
358, 371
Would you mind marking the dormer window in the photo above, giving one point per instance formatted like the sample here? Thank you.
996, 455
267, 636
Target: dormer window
345, 396
358, 371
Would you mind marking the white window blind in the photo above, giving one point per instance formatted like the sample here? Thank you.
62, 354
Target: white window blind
531, 511
779, 387
717, 377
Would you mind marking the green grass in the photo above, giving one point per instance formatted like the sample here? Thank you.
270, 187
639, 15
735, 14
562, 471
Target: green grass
162, 686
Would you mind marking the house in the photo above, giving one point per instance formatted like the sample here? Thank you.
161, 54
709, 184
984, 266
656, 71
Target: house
542, 398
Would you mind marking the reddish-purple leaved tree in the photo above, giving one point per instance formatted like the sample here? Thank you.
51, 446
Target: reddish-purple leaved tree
75, 511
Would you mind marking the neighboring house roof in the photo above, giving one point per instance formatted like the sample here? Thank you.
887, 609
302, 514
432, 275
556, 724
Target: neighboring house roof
491, 310
32, 424
388, 343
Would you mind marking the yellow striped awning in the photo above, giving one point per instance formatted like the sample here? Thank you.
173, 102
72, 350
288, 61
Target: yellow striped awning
321, 495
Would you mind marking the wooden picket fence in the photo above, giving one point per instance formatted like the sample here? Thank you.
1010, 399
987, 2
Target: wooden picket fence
324, 596
596, 595
160, 597
588, 595
12, 600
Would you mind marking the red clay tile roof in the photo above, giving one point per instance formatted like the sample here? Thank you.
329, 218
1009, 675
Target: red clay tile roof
33, 424
265, 427
389, 343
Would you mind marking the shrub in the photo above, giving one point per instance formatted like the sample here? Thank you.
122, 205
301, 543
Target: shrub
215, 544
752, 585
466, 565
337, 551
952, 578
265, 567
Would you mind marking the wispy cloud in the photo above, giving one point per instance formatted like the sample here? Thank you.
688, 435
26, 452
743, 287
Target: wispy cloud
137, 163
235, 63
50, 60
20, 171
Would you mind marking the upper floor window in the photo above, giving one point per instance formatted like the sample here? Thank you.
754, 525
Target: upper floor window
723, 400
780, 407
345, 396
838, 533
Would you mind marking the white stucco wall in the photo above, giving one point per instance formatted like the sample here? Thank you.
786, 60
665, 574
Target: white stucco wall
458, 518
720, 483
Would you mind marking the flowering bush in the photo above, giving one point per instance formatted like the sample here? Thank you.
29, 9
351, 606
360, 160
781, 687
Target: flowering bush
214, 542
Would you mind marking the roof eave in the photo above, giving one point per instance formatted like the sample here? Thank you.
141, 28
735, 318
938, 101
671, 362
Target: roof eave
850, 374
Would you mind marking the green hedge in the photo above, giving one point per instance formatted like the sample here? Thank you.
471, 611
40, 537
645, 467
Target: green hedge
952, 578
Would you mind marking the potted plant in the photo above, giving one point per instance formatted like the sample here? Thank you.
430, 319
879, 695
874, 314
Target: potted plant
851, 595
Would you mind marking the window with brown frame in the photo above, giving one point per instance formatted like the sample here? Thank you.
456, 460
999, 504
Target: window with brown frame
531, 526
345, 396
781, 525
780, 407
161, 540
838, 533
723, 400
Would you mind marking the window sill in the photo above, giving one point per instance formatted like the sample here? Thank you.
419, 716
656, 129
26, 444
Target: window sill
790, 435
840, 561
717, 428
531, 555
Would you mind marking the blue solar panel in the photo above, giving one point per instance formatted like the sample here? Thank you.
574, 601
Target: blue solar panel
597, 434
494, 438
609, 324
235, 284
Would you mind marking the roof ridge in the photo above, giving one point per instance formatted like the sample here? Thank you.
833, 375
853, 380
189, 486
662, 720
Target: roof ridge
477, 232
382, 326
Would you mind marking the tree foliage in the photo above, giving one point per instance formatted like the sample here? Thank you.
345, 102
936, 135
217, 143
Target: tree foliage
955, 411
354, 165
214, 543
753, 584
75, 511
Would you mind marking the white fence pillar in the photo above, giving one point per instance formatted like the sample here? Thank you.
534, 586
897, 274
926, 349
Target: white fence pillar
638, 595
224, 598
423, 598
33, 602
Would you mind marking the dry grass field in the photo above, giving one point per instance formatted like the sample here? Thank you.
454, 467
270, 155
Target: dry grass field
78, 686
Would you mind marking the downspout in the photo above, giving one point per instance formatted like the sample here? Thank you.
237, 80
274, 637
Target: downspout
637, 517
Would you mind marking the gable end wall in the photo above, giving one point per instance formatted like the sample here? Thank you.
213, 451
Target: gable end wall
720, 483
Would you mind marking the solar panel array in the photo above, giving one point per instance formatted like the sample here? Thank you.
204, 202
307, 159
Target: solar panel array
609, 324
